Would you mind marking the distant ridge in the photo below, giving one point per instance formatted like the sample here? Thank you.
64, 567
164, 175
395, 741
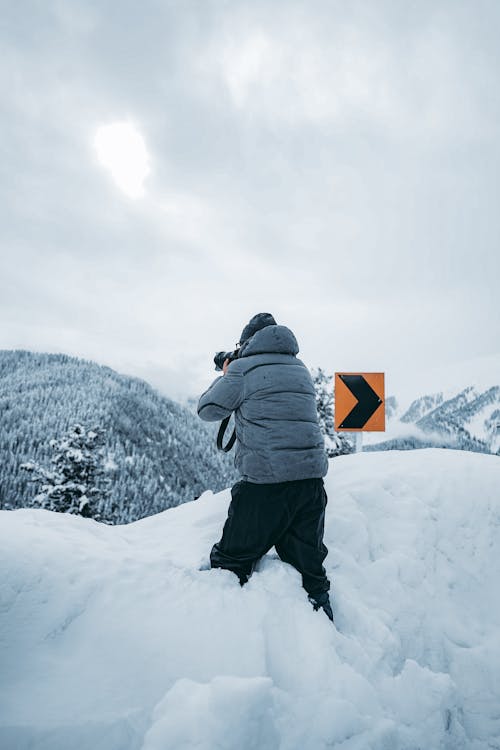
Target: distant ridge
467, 419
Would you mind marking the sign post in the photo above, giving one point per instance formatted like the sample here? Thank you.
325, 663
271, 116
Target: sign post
358, 442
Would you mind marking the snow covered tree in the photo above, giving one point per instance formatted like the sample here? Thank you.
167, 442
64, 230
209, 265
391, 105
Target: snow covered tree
75, 481
336, 443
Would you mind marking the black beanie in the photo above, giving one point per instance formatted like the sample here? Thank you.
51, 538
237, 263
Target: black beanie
261, 320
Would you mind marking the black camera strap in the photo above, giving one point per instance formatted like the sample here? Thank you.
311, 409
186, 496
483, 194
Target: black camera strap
220, 435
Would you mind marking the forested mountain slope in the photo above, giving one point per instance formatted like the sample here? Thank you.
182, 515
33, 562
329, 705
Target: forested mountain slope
159, 453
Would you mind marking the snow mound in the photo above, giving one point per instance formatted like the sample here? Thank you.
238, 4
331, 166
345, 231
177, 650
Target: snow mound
113, 638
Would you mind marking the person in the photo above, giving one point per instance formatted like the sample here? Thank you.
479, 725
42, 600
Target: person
280, 498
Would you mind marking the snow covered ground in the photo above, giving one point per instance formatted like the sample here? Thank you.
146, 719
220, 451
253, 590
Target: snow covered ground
111, 638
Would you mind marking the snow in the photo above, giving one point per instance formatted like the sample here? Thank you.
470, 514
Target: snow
477, 425
397, 429
112, 638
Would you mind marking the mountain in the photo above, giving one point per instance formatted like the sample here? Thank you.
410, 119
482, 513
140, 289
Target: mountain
471, 419
467, 419
422, 406
159, 453
117, 638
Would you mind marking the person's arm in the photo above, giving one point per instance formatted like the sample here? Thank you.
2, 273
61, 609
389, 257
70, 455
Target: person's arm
222, 397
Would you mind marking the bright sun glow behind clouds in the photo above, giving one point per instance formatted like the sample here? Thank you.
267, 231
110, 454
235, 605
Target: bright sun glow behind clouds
121, 149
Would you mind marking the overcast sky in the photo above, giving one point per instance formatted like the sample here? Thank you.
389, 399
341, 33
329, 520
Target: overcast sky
333, 163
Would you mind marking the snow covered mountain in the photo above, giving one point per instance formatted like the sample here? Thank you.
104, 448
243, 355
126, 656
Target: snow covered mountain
115, 638
160, 454
471, 419
468, 419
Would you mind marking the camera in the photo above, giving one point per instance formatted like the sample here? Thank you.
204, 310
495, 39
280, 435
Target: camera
221, 357
219, 360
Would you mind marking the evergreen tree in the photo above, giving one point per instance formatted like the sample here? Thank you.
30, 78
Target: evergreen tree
336, 443
75, 482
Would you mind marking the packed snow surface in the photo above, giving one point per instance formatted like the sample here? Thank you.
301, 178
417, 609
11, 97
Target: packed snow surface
112, 638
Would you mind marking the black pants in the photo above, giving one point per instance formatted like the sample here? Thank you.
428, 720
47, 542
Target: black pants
288, 515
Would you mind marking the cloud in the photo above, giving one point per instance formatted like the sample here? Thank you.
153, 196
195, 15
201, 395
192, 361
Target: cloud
334, 165
292, 67
286, 77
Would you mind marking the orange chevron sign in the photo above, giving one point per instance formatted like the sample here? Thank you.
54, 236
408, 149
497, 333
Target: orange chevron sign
359, 402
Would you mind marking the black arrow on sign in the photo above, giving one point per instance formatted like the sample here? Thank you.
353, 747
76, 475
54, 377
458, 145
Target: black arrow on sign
368, 402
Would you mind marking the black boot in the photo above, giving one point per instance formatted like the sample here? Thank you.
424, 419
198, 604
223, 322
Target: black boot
322, 600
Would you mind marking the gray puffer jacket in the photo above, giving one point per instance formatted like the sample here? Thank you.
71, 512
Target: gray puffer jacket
278, 438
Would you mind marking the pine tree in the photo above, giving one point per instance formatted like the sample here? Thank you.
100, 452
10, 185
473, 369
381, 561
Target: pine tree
75, 481
336, 443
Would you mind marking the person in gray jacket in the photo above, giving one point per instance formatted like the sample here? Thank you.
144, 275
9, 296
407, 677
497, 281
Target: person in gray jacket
280, 454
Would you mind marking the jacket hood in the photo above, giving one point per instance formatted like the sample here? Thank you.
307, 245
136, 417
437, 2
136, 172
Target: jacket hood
277, 339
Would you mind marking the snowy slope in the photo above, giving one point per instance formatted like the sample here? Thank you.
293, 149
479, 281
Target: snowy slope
468, 420
456, 406
111, 638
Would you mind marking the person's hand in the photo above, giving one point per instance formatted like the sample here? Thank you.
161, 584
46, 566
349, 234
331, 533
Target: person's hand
225, 366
